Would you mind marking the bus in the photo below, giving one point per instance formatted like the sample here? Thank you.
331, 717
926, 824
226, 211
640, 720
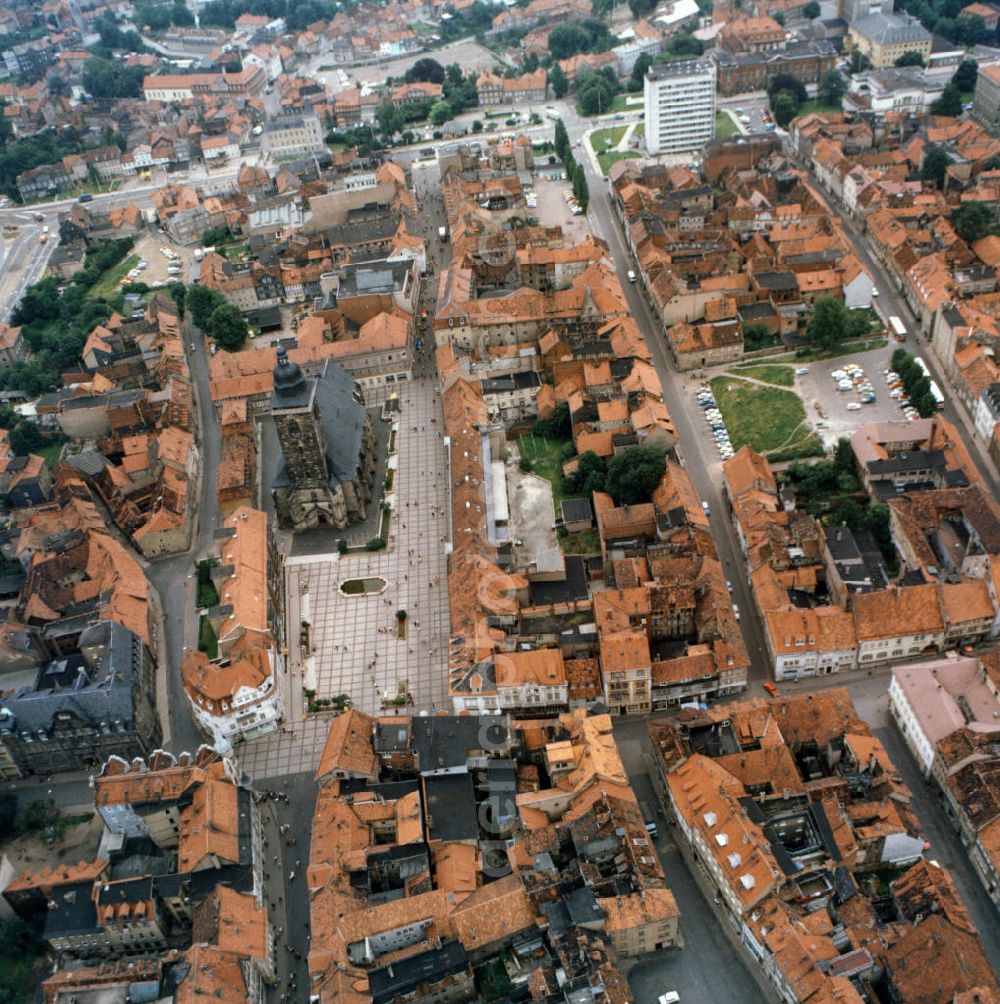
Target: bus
553, 113
923, 366
898, 329
936, 394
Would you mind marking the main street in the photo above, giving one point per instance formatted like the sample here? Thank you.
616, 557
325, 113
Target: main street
703, 466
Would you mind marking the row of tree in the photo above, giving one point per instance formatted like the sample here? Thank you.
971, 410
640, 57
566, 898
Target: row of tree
915, 382
574, 171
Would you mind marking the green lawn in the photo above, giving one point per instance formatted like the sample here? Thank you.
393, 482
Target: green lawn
109, 283
767, 419
817, 106
50, 453
584, 542
607, 159
601, 139
619, 104
546, 456
782, 376
207, 641
725, 126
847, 349
639, 131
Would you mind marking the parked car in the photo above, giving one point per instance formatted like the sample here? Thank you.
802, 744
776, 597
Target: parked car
853, 406
771, 689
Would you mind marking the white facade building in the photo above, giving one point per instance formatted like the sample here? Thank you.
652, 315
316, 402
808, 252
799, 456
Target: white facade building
680, 106
243, 709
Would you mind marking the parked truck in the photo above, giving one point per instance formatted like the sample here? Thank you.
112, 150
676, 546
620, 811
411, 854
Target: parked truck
443, 234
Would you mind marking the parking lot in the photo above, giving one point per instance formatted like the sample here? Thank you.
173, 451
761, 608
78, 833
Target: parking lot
157, 263
827, 407
553, 209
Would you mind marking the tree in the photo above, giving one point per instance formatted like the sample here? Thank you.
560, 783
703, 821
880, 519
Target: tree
57, 86
558, 81
580, 189
786, 82
934, 164
227, 326
684, 44
591, 474
595, 92
562, 140
15, 938
812, 10
966, 75
925, 404
201, 301
910, 58
899, 357
25, 438
390, 120
780, 18
828, 326
634, 474
8, 813
972, 221
641, 7
950, 102
425, 69
104, 78
843, 455
784, 107
477, 125
440, 113
832, 88
568, 39
215, 235
181, 16
859, 62
36, 815
557, 425
639, 70
178, 292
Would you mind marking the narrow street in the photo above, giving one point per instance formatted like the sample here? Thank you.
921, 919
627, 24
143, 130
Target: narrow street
174, 577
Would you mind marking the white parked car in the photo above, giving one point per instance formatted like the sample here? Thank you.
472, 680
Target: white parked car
853, 406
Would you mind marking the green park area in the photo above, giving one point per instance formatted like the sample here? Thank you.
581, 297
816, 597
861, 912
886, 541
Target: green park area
770, 420
110, 281
613, 156
779, 375
725, 126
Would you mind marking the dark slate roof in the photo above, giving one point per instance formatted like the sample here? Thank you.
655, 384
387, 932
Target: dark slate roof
398, 980
450, 805
342, 413
100, 696
574, 510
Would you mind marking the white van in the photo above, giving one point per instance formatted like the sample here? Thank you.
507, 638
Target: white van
670, 997
631, 276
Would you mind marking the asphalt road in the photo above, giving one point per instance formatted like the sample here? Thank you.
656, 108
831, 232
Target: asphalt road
700, 459
173, 577
891, 303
